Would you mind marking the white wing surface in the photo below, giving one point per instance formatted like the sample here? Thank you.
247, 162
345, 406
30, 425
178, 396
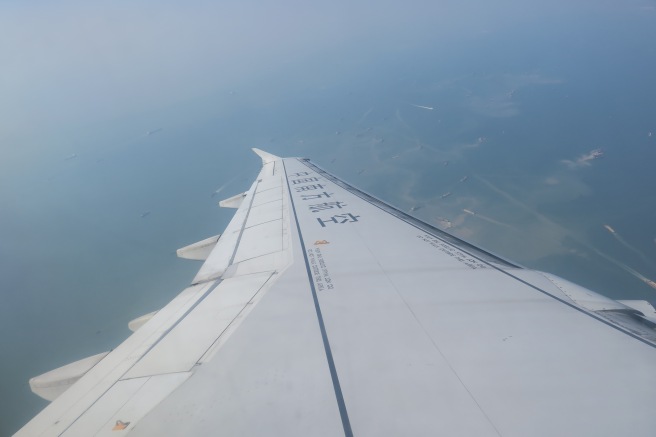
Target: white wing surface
321, 310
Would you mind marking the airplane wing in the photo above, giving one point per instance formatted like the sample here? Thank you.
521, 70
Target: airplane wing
321, 310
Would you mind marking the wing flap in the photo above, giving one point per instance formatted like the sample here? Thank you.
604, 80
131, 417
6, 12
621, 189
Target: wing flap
260, 240
268, 184
645, 308
265, 263
125, 404
256, 228
54, 419
220, 257
264, 197
204, 324
266, 213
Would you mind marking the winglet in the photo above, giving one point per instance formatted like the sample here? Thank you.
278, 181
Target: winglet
266, 157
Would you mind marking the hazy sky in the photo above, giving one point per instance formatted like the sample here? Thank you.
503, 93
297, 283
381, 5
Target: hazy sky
74, 62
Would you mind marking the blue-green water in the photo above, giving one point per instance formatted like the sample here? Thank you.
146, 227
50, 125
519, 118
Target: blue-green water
519, 96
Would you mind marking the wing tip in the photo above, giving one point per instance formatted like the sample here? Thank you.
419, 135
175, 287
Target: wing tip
266, 156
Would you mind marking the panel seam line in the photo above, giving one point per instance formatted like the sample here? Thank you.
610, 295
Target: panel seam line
346, 424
